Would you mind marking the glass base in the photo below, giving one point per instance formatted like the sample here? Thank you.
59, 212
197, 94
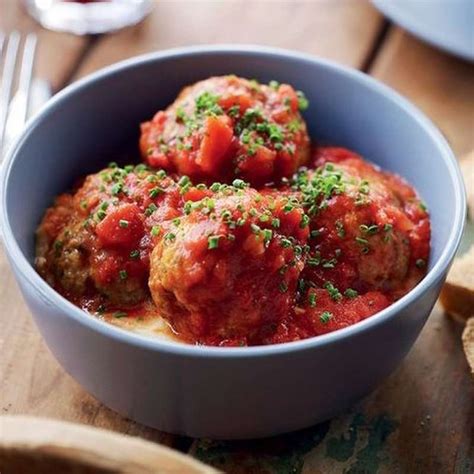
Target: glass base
88, 17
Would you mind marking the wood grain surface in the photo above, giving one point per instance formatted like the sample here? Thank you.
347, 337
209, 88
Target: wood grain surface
342, 30
441, 85
420, 419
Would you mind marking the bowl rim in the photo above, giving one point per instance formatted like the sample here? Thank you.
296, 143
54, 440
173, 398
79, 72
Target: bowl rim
27, 271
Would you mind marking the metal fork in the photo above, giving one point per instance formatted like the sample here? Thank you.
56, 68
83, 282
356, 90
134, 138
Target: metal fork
18, 72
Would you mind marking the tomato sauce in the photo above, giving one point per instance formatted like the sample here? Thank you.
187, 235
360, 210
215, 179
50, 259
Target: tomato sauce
287, 253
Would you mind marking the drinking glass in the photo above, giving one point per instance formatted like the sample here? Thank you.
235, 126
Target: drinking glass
88, 16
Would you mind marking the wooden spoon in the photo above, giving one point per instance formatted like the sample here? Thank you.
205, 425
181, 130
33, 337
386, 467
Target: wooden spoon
36, 446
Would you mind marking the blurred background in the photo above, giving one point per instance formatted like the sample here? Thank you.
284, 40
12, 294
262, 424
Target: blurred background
351, 32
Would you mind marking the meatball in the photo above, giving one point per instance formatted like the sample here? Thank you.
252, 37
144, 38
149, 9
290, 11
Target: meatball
227, 272
368, 229
98, 239
228, 127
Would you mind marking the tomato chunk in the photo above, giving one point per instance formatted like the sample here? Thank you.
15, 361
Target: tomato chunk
215, 144
122, 226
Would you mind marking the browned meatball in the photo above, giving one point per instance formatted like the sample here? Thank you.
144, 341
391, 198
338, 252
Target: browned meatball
366, 225
228, 270
99, 238
227, 127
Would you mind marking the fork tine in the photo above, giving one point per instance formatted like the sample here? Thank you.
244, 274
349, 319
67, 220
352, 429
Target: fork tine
26, 73
2, 40
8, 78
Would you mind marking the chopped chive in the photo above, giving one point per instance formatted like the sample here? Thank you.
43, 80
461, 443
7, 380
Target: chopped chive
325, 317
274, 84
233, 111
334, 293
226, 214
155, 230
170, 236
123, 274
267, 235
141, 167
210, 204
120, 314
369, 229
155, 192
183, 181
420, 263
213, 242
361, 241
239, 183
134, 254
116, 188
304, 221
303, 102
364, 187
150, 209
313, 261
331, 263
123, 223
255, 228
188, 207
350, 293
341, 232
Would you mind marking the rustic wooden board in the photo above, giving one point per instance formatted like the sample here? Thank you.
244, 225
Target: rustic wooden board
342, 30
440, 84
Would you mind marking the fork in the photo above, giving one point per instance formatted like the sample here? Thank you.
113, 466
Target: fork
15, 71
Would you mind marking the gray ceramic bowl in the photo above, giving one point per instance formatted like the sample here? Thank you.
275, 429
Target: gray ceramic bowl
225, 392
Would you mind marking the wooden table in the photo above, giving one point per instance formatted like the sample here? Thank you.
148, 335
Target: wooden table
420, 420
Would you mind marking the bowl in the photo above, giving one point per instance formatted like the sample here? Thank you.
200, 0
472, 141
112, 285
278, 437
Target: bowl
225, 393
